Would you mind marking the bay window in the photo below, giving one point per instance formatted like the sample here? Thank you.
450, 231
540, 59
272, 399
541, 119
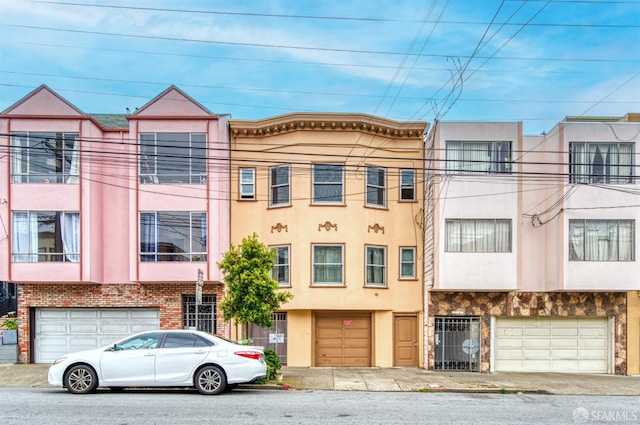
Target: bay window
328, 265
477, 235
376, 266
44, 157
478, 157
328, 181
173, 236
173, 158
43, 236
601, 162
601, 240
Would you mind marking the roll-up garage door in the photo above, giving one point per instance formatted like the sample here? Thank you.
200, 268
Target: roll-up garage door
343, 339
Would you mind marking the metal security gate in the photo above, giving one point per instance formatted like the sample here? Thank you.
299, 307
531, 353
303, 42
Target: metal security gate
206, 318
274, 338
457, 343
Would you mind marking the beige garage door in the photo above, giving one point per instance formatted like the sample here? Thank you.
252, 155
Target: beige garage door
551, 344
343, 339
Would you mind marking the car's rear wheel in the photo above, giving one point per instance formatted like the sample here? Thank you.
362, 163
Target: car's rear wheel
210, 380
81, 379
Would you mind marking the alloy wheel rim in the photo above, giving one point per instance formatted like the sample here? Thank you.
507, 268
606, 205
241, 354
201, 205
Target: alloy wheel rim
209, 380
80, 379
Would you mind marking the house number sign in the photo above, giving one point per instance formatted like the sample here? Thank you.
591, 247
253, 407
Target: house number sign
347, 322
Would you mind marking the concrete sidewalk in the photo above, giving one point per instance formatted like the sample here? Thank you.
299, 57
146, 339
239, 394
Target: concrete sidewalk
398, 379
416, 379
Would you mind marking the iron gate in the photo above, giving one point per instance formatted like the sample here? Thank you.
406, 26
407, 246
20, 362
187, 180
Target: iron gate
206, 317
457, 343
274, 338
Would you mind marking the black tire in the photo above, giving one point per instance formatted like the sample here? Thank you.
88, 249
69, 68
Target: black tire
81, 379
210, 380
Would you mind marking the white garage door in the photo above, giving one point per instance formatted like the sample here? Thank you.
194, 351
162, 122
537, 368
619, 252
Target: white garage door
63, 330
551, 344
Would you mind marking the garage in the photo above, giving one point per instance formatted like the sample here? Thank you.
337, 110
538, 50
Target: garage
63, 330
552, 344
343, 339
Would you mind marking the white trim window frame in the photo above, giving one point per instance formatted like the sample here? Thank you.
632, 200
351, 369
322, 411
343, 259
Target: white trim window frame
407, 262
478, 157
328, 183
281, 270
247, 183
376, 191
407, 185
478, 235
45, 157
376, 266
173, 158
601, 240
280, 185
327, 264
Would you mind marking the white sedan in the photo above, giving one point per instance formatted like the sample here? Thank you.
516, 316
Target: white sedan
171, 358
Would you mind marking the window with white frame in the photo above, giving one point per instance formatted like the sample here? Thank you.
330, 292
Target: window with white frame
42, 236
280, 271
407, 185
328, 265
478, 235
173, 158
478, 157
328, 181
592, 162
247, 183
407, 263
279, 186
601, 240
376, 258
45, 157
173, 236
376, 187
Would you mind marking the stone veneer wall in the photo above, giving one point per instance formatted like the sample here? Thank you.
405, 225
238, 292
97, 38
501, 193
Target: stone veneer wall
528, 304
167, 297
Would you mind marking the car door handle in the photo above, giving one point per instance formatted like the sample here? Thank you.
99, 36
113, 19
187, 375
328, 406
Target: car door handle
200, 351
150, 354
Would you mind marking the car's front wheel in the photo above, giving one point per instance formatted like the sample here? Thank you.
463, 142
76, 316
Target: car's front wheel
210, 380
81, 379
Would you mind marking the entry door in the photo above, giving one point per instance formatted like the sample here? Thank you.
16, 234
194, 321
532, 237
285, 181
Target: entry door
405, 335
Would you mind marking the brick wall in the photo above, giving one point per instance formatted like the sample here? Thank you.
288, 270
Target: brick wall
167, 297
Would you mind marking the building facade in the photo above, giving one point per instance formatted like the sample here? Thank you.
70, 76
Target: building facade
534, 246
111, 219
339, 199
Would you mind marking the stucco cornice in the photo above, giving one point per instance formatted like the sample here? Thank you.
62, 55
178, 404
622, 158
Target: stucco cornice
326, 122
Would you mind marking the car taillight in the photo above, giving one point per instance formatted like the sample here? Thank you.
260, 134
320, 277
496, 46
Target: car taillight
254, 355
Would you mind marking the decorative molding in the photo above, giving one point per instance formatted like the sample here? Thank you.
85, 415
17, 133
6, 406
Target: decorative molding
376, 228
280, 227
327, 122
327, 226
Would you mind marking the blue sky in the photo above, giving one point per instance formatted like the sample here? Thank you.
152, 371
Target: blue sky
409, 60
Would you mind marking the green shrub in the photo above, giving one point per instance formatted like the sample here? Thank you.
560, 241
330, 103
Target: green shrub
10, 321
273, 363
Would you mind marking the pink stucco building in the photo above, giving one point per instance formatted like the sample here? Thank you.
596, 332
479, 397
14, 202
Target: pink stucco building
109, 219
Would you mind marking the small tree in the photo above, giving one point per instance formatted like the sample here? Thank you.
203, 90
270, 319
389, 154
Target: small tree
252, 295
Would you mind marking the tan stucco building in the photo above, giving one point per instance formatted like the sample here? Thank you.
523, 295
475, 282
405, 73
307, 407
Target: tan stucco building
339, 197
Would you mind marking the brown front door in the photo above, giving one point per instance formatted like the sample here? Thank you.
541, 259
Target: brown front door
405, 335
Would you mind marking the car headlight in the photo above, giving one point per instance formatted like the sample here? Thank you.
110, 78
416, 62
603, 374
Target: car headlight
59, 360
